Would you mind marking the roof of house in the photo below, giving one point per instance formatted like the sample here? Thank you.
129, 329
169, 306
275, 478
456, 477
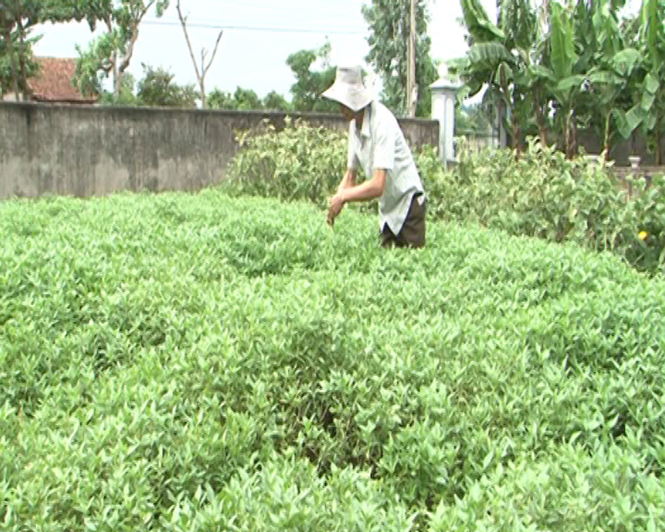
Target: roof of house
53, 83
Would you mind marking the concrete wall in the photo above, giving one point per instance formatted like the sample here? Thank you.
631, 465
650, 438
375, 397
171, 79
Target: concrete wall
621, 148
85, 151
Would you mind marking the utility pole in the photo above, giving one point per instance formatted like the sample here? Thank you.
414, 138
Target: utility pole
411, 86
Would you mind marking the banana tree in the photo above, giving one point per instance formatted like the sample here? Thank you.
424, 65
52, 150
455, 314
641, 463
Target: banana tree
566, 83
612, 80
498, 57
479, 67
615, 67
524, 24
649, 111
534, 77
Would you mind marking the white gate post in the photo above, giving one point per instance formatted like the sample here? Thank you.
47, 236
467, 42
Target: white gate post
444, 93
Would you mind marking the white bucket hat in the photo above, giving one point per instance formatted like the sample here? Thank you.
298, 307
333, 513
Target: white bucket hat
349, 89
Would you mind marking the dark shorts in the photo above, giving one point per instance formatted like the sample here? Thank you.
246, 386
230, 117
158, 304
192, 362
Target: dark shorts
412, 233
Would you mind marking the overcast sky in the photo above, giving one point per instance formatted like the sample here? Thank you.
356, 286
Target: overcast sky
255, 58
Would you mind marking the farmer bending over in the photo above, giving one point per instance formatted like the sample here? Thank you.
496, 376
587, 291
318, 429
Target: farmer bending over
377, 144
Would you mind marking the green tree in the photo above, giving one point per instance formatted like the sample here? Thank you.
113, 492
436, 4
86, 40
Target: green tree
473, 118
111, 53
648, 112
611, 72
17, 20
577, 58
310, 84
127, 95
274, 101
157, 89
11, 57
389, 25
503, 58
247, 100
569, 63
567, 79
218, 99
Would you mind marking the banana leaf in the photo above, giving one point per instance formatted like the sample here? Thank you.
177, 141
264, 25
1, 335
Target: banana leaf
626, 61
630, 121
489, 53
603, 77
562, 43
478, 23
652, 30
571, 82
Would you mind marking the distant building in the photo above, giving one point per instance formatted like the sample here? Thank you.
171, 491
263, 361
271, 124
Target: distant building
53, 83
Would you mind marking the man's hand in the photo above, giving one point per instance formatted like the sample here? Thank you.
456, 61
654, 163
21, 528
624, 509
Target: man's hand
367, 191
336, 204
348, 181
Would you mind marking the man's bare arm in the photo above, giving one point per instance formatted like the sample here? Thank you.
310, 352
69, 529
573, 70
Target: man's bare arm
348, 181
368, 190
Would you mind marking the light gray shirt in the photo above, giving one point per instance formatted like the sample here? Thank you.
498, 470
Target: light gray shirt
381, 144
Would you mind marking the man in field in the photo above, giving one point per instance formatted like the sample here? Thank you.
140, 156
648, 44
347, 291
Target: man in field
378, 146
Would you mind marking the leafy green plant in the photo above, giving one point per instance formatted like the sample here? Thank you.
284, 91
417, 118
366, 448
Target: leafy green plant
540, 194
300, 162
545, 195
218, 362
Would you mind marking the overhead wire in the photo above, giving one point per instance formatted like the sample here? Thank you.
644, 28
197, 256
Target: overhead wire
201, 25
324, 18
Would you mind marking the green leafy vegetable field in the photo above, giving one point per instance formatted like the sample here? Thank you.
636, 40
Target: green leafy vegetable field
201, 363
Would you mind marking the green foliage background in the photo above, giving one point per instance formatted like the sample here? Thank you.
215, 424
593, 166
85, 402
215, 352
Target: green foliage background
540, 194
389, 26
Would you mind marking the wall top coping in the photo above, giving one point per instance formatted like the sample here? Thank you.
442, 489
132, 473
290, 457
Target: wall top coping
30, 106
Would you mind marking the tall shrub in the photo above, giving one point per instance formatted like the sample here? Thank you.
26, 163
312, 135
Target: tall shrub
300, 162
545, 195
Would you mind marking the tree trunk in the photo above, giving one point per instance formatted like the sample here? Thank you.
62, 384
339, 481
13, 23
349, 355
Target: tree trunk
10, 50
514, 124
200, 76
542, 129
21, 60
540, 118
124, 65
659, 151
516, 132
574, 126
571, 134
116, 76
608, 120
127, 58
567, 122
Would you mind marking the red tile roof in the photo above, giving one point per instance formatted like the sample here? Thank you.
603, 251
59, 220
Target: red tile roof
53, 83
